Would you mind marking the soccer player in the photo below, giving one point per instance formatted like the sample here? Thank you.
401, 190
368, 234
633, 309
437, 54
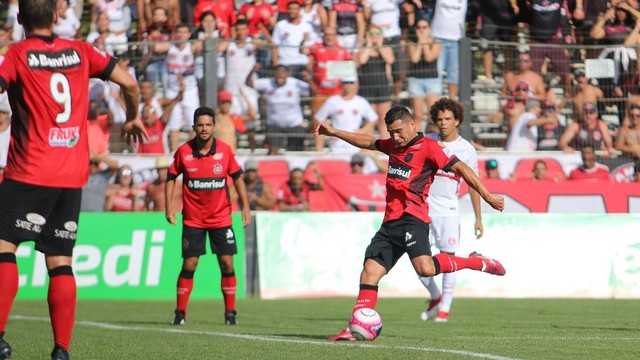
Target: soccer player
444, 230
205, 164
413, 160
47, 79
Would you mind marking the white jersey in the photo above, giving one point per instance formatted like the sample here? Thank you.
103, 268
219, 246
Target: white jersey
283, 102
240, 62
5, 137
289, 37
523, 137
443, 195
240, 106
448, 19
181, 63
313, 19
385, 14
345, 115
68, 26
117, 13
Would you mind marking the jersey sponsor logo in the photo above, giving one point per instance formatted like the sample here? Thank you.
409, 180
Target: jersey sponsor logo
188, 157
217, 169
398, 171
206, 184
64, 59
33, 223
64, 136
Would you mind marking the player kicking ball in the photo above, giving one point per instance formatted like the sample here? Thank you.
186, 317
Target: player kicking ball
413, 161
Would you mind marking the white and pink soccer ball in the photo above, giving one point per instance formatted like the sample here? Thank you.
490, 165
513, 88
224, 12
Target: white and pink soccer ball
365, 324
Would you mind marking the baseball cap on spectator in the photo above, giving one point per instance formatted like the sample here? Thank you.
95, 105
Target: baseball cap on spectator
357, 159
589, 106
491, 164
522, 85
349, 79
579, 72
547, 106
224, 96
251, 165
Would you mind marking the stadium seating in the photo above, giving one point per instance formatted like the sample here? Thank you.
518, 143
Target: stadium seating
274, 172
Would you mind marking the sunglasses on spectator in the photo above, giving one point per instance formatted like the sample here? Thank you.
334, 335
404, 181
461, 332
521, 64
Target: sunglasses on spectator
593, 111
375, 32
125, 172
635, 115
348, 82
357, 164
520, 88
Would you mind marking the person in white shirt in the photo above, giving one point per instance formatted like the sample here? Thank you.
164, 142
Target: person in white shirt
444, 230
240, 57
524, 133
68, 25
284, 112
347, 111
448, 26
289, 36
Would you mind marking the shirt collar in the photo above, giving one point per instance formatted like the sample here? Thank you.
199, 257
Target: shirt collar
196, 152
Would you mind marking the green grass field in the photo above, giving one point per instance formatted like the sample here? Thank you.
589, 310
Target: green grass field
297, 329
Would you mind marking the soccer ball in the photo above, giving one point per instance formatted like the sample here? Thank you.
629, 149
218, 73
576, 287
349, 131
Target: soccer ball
365, 324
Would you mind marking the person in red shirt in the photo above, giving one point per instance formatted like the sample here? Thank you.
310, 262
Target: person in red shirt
590, 169
225, 13
259, 15
413, 161
47, 79
205, 164
293, 195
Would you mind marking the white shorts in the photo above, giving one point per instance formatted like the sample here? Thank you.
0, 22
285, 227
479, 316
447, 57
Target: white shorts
182, 114
444, 233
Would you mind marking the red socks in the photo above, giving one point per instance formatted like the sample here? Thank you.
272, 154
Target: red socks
8, 286
185, 285
62, 304
367, 297
228, 285
450, 263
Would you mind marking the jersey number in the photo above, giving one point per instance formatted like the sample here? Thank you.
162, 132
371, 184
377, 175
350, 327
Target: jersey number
59, 86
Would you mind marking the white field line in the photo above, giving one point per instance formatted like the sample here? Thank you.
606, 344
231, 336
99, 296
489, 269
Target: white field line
560, 338
104, 325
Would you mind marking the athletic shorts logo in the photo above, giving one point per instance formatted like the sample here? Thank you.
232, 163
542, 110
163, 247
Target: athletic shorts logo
71, 226
64, 59
230, 237
36, 219
185, 244
33, 222
399, 171
67, 137
407, 239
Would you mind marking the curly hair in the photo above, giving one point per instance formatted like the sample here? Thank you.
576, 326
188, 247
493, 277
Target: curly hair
447, 104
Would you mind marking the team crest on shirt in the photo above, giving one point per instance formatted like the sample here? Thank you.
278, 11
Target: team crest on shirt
217, 169
409, 157
64, 137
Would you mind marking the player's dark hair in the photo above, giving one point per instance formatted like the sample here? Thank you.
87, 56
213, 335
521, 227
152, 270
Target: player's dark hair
242, 22
182, 25
539, 161
36, 14
398, 112
204, 111
447, 104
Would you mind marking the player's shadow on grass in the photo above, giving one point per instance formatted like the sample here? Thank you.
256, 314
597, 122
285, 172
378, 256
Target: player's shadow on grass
598, 328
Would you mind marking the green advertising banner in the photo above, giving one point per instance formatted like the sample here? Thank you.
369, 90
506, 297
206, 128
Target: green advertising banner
132, 256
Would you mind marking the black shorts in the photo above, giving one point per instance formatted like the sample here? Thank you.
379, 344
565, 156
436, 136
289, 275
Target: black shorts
222, 240
46, 215
407, 234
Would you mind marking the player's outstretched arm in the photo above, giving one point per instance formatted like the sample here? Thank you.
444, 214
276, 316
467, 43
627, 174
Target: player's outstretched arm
363, 141
495, 201
133, 128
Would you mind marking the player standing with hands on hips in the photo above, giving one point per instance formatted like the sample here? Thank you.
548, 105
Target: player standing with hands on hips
444, 230
413, 161
205, 163
47, 79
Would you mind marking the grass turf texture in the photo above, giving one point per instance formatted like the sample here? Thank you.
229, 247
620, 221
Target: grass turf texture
297, 329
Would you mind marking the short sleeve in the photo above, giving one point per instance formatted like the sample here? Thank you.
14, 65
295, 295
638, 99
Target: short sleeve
262, 85
303, 87
176, 166
7, 68
101, 64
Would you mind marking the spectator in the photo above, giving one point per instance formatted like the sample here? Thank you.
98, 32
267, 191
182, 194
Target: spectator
590, 169
534, 82
448, 28
513, 106
585, 13
375, 61
101, 168
5, 131
539, 172
320, 56
146, 9
258, 15
99, 124
348, 18
155, 125
119, 19
154, 199
123, 194
228, 124
551, 130
628, 140
224, 11
524, 133
316, 15
147, 97
289, 36
357, 164
385, 16
284, 112
425, 84
349, 112
498, 19
294, 193
260, 194
68, 25
208, 30
360, 165
246, 105
549, 24
491, 168
181, 65
100, 35
589, 130
240, 58
153, 62
585, 93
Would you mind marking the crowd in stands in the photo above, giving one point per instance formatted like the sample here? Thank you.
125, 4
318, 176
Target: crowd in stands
283, 66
